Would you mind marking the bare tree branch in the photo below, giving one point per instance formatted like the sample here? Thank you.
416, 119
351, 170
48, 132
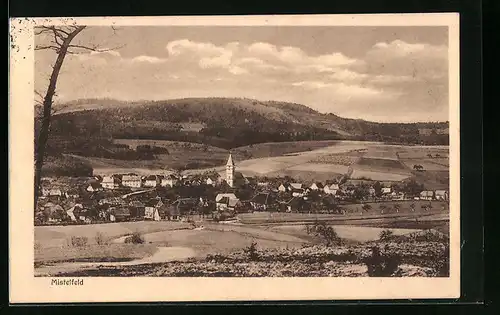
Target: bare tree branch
95, 48
52, 47
40, 95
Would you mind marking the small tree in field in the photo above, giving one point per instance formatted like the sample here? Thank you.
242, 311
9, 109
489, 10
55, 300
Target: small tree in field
382, 208
325, 232
397, 207
366, 207
385, 235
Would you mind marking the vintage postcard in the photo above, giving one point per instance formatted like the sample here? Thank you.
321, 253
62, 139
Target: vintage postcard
234, 158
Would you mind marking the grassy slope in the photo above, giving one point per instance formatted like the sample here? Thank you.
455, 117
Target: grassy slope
58, 236
94, 253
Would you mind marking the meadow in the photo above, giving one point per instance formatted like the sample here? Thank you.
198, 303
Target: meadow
303, 160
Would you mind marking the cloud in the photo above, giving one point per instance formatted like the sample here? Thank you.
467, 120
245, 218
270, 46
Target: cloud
392, 80
106, 51
182, 46
237, 58
296, 56
148, 59
221, 61
348, 75
421, 61
237, 70
342, 89
402, 49
312, 84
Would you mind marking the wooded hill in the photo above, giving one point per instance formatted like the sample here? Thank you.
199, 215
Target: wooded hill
224, 122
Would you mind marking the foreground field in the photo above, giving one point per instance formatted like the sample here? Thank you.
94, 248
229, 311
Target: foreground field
424, 255
93, 253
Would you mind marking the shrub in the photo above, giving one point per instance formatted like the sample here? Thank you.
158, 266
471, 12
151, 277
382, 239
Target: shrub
252, 252
79, 241
385, 235
100, 239
441, 264
382, 265
366, 207
135, 238
325, 232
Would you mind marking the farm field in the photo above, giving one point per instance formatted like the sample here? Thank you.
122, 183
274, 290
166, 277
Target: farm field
433, 179
427, 164
222, 239
347, 232
353, 216
280, 148
320, 167
318, 160
380, 176
306, 176
58, 236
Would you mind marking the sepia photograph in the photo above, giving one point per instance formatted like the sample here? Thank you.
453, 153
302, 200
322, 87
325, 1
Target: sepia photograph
242, 149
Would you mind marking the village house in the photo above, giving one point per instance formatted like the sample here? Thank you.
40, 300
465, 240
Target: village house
94, 186
263, 202
372, 191
227, 204
172, 212
72, 193
119, 214
221, 195
55, 192
152, 209
262, 183
295, 204
358, 182
111, 182
331, 189
169, 181
427, 195
316, 186
442, 195
296, 189
137, 209
283, 187
54, 212
112, 201
213, 180
152, 180
131, 180
223, 200
386, 190
74, 211
397, 195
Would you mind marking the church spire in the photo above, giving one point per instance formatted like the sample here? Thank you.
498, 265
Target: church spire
230, 171
230, 161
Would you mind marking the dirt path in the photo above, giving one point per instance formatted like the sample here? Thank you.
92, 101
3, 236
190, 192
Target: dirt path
163, 254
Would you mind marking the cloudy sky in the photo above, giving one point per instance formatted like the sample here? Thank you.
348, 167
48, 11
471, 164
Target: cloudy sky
374, 73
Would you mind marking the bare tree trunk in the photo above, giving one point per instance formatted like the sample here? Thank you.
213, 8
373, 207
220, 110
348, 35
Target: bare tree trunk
47, 109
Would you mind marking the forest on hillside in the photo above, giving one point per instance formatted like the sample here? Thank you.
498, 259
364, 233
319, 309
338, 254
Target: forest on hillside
227, 124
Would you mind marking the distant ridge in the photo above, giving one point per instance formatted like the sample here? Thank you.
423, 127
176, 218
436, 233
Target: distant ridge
228, 122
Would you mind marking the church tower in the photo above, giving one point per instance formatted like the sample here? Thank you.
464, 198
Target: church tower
230, 171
